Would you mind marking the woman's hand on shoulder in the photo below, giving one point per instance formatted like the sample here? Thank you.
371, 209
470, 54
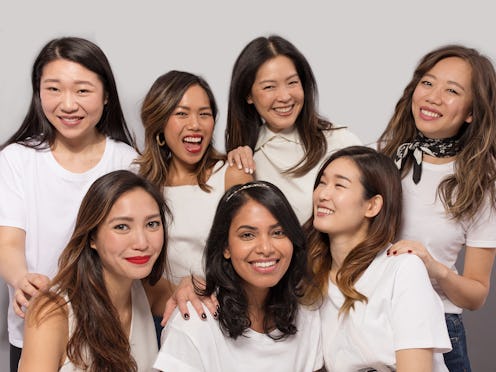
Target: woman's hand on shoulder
435, 269
242, 158
184, 293
28, 287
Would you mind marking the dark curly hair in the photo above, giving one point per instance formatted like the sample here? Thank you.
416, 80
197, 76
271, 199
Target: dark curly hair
281, 305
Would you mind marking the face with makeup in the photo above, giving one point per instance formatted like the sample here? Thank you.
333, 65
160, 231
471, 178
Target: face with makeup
259, 249
131, 237
442, 100
188, 131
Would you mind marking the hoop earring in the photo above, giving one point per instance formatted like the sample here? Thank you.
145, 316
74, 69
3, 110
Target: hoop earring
160, 138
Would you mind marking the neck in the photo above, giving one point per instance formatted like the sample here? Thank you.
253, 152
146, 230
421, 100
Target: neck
341, 245
256, 306
181, 174
435, 160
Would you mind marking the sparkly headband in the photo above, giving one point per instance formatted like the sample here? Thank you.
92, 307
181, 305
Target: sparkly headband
246, 187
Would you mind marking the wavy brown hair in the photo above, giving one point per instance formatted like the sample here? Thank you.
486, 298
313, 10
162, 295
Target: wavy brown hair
378, 176
98, 342
243, 120
158, 105
475, 167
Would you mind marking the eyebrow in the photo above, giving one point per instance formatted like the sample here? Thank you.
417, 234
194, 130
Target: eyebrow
189, 108
449, 81
130, 219
75, 82
248, 227
273, 80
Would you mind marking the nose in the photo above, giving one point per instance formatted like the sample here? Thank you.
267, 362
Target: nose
283, 94
264, 246
323, 193
194, 123
434, 96
68, 103
140, 242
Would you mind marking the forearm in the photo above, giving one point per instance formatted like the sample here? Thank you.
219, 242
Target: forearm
414, 360
13, 265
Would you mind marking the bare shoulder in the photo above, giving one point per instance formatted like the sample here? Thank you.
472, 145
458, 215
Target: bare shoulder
46, 333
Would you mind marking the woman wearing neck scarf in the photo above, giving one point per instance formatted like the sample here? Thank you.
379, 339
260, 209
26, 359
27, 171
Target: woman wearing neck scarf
443, 138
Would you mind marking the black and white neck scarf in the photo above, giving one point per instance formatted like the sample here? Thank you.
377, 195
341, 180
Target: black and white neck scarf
437, 147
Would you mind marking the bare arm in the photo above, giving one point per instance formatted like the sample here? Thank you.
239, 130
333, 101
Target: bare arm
414, 360
235, 176
242, 157
13, 268
469, 290
45, 340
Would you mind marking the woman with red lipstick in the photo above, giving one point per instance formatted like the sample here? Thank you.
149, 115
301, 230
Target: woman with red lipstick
255, 262
96, 316
178, 114
380, 314
443, 137
73, 132
272, 112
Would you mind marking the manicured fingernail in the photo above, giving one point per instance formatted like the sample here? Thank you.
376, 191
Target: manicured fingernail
186, 316
215, 315
394, 252
203, 316
409, 251
387, 252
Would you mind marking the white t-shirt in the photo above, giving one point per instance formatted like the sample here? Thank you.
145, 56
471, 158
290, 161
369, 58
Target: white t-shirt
193, 212
196, 345
42, 198
142, 339
277, 152
425, 220
403, 312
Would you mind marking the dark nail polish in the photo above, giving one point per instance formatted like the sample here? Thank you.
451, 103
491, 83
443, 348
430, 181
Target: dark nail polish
204, 316
409, 251
387, 252
394, 252
186, 316
215, 315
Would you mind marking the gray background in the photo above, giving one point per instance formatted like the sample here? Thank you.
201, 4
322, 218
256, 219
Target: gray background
362, 53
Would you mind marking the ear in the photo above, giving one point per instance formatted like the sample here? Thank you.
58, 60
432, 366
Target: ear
92, 244
249, 100
374, 206
469, 118
227, 253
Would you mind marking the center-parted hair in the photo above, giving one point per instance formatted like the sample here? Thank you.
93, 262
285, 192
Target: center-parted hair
243, 120
281, 305
36, 131
98, 342
378, 176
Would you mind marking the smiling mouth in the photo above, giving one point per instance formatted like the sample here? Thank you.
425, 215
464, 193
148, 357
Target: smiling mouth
138, 260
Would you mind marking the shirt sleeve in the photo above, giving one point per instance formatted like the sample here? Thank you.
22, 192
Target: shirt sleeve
178, 352
12, 205
481, 233
417, 311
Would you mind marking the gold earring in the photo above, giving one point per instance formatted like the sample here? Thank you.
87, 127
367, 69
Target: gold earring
160, 142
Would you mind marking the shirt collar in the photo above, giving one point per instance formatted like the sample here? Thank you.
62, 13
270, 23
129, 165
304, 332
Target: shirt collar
266, 135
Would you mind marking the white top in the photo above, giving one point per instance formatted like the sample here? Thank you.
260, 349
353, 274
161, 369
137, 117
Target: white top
196, 345
142, 337
403, 312
277, 152
425, 220
193, 212
41, 197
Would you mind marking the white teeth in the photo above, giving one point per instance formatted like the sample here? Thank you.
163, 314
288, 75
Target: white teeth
71, 118
324, 211
192, 139
283, 110
264, 264
430, 113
